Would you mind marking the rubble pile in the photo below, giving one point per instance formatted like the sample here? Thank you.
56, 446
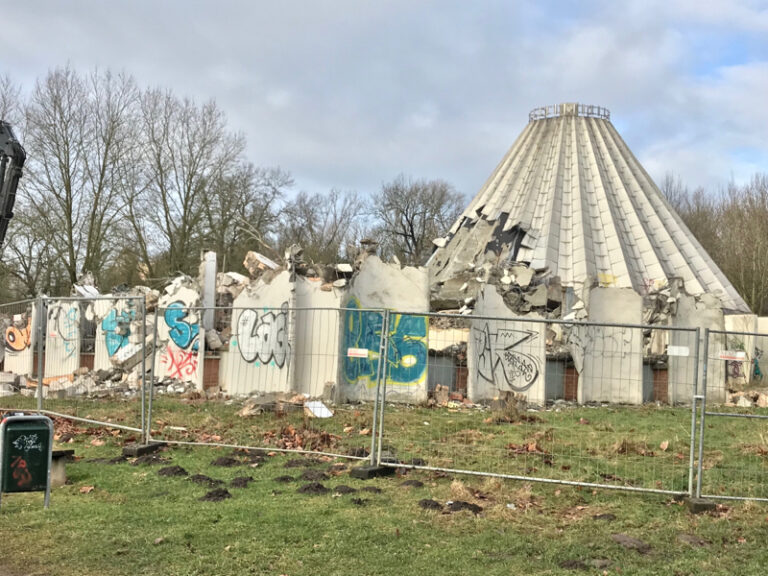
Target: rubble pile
84, 383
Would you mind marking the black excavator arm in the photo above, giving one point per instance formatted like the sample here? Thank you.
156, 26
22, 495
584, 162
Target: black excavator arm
12, 157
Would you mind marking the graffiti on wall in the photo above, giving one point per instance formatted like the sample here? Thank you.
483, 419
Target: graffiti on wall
18, 339
64, 324
406, 347
500, 358
116, 328
263, 338
181, 354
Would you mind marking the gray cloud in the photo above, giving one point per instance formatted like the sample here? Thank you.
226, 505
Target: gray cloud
348, 93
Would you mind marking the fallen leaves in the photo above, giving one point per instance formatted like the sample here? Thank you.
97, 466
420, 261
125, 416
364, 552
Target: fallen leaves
291, 438
86, 489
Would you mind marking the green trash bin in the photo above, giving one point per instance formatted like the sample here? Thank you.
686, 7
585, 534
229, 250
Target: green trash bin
26, 444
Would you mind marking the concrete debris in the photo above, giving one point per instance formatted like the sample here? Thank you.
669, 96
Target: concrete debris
256, 263
523, 275
440, 242
345, 268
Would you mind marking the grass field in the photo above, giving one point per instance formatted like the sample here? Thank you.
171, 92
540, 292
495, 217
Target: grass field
126, 518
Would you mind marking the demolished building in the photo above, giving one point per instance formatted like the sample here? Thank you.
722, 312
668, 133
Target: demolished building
570, 227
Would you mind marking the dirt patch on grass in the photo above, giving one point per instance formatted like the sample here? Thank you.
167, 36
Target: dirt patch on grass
428, 504
216, 495
313, 475
342, 489
284, 479
631, 543
359, 501
371, 489
313, 488
412, 483
460, 505
205, 480
172, 471
226, 462
241, 481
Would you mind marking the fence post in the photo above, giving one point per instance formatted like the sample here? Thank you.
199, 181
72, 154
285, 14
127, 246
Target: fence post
376, 399
143, 316
703, 397
148, 419
384, 371
41, 320
694, 399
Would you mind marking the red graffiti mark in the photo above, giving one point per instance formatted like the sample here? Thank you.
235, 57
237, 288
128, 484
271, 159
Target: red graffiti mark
20, 473
18, 339
181, 364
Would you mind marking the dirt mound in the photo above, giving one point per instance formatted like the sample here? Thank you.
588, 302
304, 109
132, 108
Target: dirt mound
226, 462
313, 475
342, 489
241, 481
205, 480
284, 479
371, 489
430, 504
313, 488
216, 495
459, 505
413, 483
172, 471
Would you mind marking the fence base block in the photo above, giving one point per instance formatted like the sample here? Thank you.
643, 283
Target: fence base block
700, 505
133, 450
371, 471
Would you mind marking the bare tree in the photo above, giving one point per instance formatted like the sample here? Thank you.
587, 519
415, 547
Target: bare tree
188, 153
10, 102
77, 131
242, 207
322, 224
743, 240
411, 213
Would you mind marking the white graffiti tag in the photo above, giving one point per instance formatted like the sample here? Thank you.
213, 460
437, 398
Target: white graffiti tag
28, 443
264, 338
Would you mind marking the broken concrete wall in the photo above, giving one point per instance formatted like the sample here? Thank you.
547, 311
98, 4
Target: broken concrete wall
696, 312
505, 355
180, 337
317, 338
20, 342
609, 359
113, 319
260, 353
62, 338
379, 285
261, 356
739, 373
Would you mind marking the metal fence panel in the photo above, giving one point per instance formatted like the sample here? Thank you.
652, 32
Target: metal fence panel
93, 364
550, 401
733, 457
281, 379
19, 325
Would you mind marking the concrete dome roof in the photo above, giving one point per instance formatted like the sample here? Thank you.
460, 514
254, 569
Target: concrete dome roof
570, 197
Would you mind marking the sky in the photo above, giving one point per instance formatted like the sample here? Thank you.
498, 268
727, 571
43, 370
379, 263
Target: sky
348, 94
